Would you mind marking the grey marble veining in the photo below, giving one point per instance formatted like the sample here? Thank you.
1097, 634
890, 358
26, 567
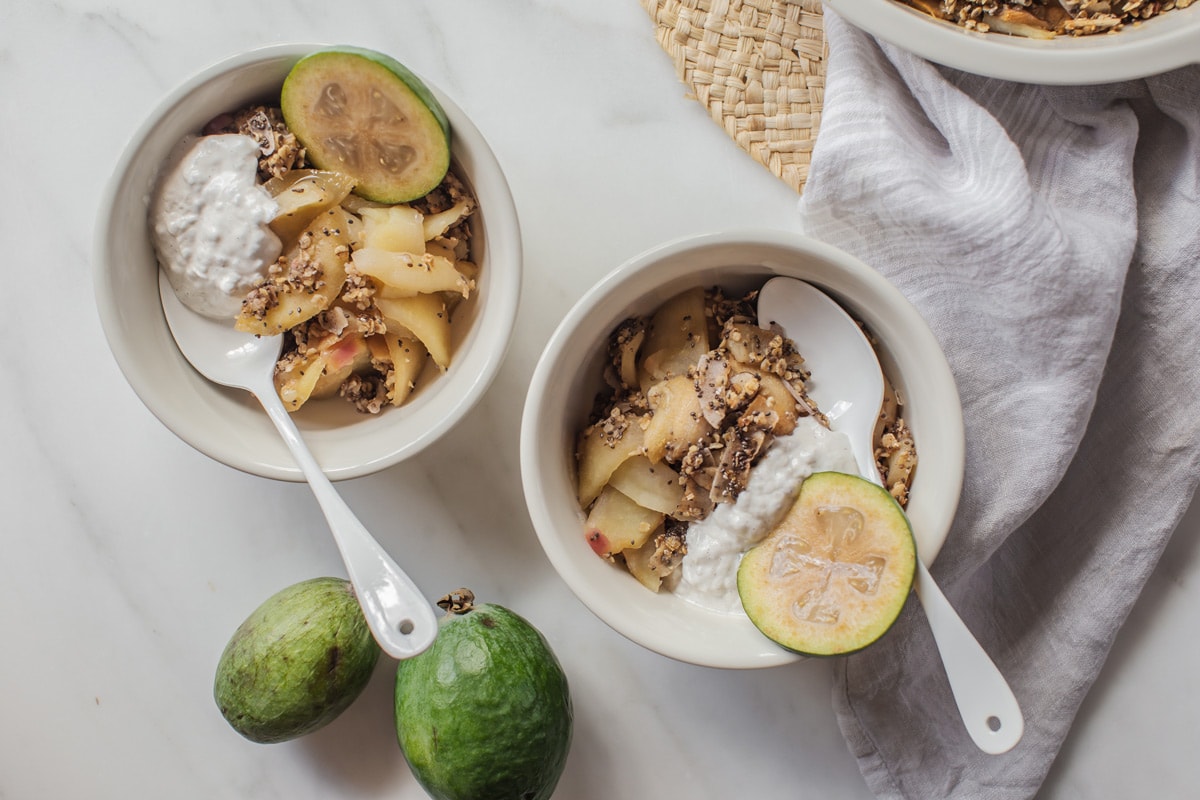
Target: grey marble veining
123, 576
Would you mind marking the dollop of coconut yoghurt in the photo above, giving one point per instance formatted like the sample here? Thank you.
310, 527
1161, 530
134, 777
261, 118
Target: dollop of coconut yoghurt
708, 573
209, 217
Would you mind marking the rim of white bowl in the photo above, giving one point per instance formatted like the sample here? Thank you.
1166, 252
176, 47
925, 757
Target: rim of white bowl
1157, 45
541, 479
498, 310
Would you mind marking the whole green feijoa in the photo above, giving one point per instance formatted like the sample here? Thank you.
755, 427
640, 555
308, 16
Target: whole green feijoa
485, 713
297, 662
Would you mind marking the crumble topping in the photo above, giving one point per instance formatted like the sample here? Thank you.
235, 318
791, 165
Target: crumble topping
368, 393
1045, 19
279, 149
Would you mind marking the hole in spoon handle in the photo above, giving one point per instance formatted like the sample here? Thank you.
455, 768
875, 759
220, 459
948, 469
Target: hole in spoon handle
987, 704
399, 616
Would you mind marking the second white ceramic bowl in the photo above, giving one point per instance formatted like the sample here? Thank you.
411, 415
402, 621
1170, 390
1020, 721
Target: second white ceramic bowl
568, 376
228, 424
1159, 44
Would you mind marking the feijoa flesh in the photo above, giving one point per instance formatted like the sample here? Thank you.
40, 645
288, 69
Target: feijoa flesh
485, 712
296, 663
834, 574
366, 115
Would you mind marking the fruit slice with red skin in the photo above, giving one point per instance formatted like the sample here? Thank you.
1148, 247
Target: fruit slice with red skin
834, 574
365, 114
616, 523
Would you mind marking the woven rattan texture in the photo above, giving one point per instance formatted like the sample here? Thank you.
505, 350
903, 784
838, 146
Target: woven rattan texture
758, 66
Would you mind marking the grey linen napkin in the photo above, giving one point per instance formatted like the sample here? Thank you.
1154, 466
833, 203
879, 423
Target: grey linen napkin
1051, 238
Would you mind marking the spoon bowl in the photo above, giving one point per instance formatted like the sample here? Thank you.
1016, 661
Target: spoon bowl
399, 616
848, 382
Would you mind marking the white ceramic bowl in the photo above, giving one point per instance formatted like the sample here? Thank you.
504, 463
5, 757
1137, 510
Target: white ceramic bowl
1157, 45
227, 424
568, 376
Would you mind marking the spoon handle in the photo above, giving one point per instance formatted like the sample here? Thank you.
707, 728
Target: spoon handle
988, 707
399, 616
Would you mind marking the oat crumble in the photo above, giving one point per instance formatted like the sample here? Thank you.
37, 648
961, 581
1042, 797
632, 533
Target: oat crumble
1045, 19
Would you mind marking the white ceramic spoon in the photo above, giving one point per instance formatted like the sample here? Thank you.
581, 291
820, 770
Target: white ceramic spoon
399, 616
847, 386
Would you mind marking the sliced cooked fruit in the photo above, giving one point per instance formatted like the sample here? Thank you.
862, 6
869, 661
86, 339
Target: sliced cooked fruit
407, 275
322, 371
408, 359
399, 229
365, 114
832, 577
312, 280
676, 338
653, 486
616, 523
302, 194
424, 317
600, 453
656, 560
677, 421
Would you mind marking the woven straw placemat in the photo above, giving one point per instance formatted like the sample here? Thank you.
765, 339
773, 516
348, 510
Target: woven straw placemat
758, 66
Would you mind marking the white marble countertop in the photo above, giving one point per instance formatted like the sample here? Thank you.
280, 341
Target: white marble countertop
121, 579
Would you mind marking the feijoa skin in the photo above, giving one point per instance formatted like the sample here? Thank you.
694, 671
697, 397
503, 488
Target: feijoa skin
485, 713
296, 663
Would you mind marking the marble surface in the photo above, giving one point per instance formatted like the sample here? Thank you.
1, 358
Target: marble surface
130, 558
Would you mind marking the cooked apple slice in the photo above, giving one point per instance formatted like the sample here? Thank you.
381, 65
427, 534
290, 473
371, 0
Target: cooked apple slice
408, 357
678, 321
780, 400
616, 523
656, 561
296, 378
302, 194
406, 275
598, 457
653, 486
436, 225
321, 372
676, 337
642, 563
425, 317
311, 281
396, 228
675, 421
627, 344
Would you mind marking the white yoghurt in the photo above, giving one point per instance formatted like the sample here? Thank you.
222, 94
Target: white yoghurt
209, 217
708, 573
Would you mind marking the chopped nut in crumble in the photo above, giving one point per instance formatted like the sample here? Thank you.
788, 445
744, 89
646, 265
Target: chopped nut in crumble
279, 150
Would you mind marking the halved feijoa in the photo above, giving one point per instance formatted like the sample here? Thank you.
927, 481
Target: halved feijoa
365, 114
832, 577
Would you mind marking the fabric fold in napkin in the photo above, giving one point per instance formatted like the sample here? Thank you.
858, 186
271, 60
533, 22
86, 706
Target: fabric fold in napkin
1051, 238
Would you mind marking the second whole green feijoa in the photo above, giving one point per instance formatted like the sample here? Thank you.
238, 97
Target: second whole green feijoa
296, 663
485, 713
